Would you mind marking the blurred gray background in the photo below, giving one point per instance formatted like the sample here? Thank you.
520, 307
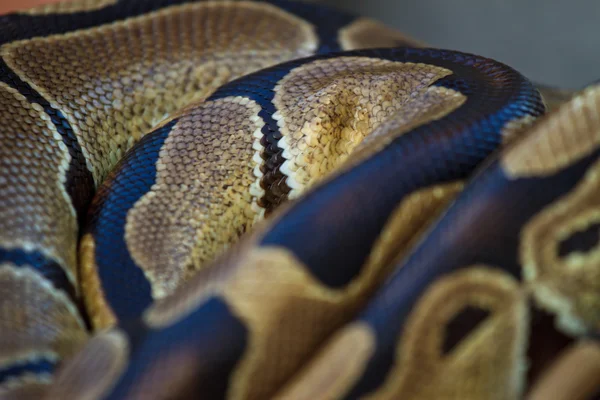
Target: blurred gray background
551, 42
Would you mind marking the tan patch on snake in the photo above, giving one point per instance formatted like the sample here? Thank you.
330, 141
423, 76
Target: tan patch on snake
516, 128
115, 82
36, 317
327, 107
569, 284
94, 371
98, 310
567, 135
69, 7
287, 311
200, 202
35, 209
574, 376
489, 363
328, 375
366, 33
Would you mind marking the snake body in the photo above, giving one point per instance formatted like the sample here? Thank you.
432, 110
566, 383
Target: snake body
269, 199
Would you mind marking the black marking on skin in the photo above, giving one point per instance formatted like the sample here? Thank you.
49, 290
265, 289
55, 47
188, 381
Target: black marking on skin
260, 88
18, 369
44, 266
337, 250
580, 242
463, 324
125, 286
212, 336
327, 22
482, 227
79, 180
544, 343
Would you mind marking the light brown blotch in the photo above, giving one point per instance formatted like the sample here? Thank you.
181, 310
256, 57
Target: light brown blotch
35, 210
201, 201
92, 372
366, 33
36, 317
327, 107
516, 128
115, 82
558, 140
287, 311
489, 363
331, 374
567, 285
575, 375
69, 7
98, 310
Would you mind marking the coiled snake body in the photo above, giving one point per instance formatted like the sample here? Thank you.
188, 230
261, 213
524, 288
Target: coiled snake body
288, 202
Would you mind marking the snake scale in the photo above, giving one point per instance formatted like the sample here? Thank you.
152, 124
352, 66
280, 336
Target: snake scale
278, 200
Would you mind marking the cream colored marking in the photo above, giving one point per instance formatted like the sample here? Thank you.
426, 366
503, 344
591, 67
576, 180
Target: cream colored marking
559, 140
94, 371
488, 364
69, 7
115, 82
516, 128
201, 201
574, 376
98, 310
366, 33
37, 319
568, 286
325, 109
331, 374
35, 210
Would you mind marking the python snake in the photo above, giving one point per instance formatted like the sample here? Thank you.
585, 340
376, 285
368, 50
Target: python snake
270, 199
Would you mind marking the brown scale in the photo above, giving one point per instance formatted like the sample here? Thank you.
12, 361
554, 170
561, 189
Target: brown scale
116, 82
324, 111
33, 164
29, 332
487, 364
200, 202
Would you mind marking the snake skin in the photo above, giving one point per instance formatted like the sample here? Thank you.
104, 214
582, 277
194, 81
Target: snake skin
271, 199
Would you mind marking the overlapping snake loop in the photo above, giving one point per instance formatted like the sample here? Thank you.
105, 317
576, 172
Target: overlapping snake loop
270, 199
